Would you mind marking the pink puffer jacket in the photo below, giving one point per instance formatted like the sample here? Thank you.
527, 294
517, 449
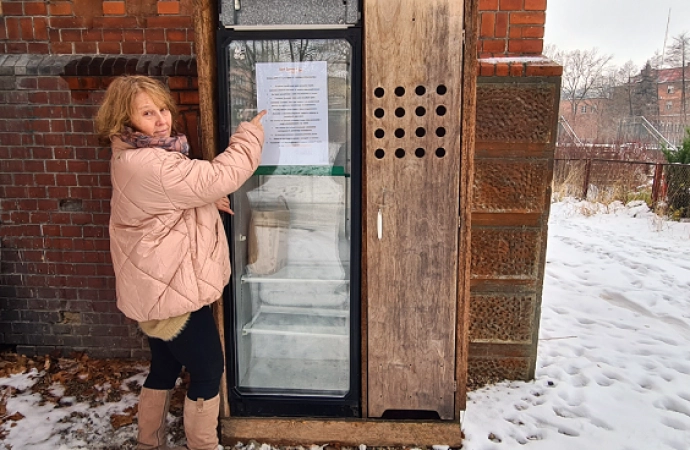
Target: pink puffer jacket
167, 240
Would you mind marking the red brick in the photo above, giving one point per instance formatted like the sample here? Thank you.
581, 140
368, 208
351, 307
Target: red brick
12, 9
114, 8
133, 35
45, 179
189, 98
85, 48
70, 35
132, 48
168, 7
111, 48
155, 34
60, 9
525, 46
16, 48
502, 69
488, 22
516, 70
47, 83
111, 35
486, 69
501, 25
156, 48
494, 46
27, 28
95, 35
3, 32
169, 22
535, 5
178, 83
515, 32
61, 48
14, 31
34, 8
115, 22
488, 5
532, 32
535, 70
527, 18
511, 5
176, 35
66, 22
40, 29
37, 97
40, 125
179, 48
27, 83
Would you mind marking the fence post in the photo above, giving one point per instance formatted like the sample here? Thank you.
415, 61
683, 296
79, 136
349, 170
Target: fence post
585, 187
656, 184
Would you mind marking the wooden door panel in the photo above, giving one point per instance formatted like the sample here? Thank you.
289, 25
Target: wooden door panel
412, 170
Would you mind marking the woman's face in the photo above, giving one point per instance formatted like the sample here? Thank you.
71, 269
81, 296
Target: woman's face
150, 119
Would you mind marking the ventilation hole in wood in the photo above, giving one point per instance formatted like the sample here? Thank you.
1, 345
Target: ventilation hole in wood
419, 153
420, 111
400, 91
379, 153
421, 90
441, 89
420, 132
400, 112
400, 153
440, 152
440, 131
399, 133
441, 110
378, 92
379, 112
379, 133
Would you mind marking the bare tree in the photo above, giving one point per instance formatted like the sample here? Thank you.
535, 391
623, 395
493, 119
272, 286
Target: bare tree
585, 75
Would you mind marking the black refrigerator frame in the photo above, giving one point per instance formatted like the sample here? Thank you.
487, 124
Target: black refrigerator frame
267, 405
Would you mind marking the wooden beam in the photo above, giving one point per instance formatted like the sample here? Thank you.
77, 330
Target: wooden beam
343, 432
205, 24
467, 144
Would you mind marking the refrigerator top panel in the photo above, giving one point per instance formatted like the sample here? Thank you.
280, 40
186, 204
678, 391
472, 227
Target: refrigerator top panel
255, 14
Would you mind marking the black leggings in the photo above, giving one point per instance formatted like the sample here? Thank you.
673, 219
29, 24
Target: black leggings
198, 349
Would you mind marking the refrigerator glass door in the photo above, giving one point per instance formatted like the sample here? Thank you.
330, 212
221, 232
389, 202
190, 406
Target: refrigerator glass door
291, 227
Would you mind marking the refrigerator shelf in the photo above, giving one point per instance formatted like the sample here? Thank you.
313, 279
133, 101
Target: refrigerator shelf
296, 321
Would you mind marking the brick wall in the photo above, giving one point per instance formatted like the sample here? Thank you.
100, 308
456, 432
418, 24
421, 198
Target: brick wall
56, 59
511, 27
515, 143
93, 27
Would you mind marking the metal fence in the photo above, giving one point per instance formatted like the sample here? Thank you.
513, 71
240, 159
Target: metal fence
665, 187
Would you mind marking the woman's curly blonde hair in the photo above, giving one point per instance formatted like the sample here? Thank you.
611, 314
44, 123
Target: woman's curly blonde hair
117, 107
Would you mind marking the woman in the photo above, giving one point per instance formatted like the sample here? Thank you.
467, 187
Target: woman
169, 249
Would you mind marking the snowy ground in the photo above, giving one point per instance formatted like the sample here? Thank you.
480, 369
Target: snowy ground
613, 370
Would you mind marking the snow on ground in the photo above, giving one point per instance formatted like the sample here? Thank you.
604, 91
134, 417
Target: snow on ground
613, 367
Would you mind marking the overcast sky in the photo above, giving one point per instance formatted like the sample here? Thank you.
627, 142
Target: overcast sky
628, 29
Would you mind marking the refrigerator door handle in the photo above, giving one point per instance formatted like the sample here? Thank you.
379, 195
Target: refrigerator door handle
379, 224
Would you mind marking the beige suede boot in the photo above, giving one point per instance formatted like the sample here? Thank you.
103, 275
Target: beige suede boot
153, 409
201, 423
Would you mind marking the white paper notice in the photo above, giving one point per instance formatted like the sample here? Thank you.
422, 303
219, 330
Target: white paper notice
296, 126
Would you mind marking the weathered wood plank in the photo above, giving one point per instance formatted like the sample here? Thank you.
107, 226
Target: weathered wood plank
469, 104
413, 111
205, 24
343, 432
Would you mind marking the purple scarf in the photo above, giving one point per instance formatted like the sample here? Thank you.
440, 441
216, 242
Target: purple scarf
177, 143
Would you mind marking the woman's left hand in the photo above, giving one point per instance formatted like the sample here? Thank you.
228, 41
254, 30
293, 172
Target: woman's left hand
223, 204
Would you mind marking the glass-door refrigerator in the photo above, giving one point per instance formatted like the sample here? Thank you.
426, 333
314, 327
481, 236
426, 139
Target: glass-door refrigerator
293, 304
